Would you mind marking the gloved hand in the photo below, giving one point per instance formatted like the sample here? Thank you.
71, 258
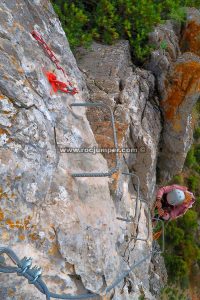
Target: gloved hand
166, 216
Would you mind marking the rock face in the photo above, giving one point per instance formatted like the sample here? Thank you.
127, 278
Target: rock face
190, 41
178, 80
112, 78
158, 274
69, 225
73, 227
45, 213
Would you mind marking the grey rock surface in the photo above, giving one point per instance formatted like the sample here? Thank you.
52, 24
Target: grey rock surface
113, 79
70, 226
67, 225
183, 93
43, 209
177, 76
158, 273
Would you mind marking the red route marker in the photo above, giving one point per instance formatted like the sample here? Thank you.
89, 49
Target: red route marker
56, 85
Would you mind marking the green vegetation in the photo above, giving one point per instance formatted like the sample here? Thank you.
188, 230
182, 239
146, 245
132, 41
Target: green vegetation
109, 20
178, 179
193, 157
173, 293
197, 133
182, 249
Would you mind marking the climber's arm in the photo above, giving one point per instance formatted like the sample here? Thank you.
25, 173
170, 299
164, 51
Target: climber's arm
180, 187
179, 211
169, 188
160, 193
163, 190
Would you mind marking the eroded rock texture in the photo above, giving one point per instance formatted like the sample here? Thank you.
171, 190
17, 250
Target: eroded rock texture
114, 80
69, 225
177, 72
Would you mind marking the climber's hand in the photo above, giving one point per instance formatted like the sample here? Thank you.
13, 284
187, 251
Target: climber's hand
166, 216
158, 203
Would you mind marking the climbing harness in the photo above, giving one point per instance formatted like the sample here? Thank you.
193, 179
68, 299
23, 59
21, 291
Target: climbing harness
56, 85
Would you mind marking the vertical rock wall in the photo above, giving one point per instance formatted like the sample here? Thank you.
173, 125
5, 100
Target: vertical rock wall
67, 225
177, 73
70, 226
111, 78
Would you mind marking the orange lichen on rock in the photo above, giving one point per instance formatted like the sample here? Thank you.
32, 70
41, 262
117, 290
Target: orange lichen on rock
1, 215
11, 293
5, 236
104, 136
16, 63
3, 194
10, 223
191, 38
21, 237
27, 222
104, 128
3, 131
115, 177
54, 250
24, 224
185, 82
33, 236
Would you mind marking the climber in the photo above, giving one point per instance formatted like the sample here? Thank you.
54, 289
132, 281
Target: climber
173, 201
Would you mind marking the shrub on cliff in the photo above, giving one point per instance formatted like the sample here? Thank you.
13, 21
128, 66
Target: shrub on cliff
182, 249
176, 267
197, 133
190, 159
193, 182
109, 20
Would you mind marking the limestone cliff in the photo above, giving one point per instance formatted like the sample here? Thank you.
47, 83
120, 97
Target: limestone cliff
70, 226
177, 72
